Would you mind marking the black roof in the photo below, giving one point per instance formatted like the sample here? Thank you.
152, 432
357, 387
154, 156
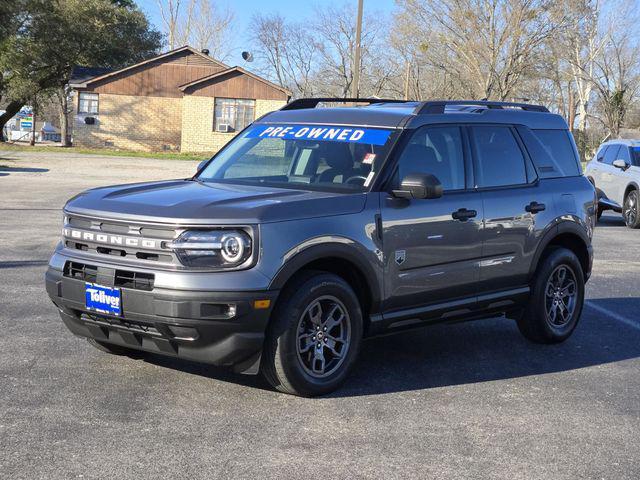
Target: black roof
399, 114
82, 74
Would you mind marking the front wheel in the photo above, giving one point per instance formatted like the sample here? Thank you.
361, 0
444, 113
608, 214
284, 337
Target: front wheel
557, 297
630, 210
314, 336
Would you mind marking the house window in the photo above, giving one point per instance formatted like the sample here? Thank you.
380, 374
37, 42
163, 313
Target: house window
234, 112
87, 102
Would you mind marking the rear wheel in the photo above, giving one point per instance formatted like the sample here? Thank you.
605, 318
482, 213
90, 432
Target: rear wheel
630, 210
556, 300
314, 336
115, 349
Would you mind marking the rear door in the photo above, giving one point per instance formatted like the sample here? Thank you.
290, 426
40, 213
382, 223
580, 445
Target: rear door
432, 246
515, 206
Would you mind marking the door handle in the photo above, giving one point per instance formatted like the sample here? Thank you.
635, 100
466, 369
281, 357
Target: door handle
535, 207
463, 214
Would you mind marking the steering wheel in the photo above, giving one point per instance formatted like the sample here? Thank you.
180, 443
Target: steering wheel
356, 180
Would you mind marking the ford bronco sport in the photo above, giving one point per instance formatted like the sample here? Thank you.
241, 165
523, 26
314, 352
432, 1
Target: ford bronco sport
317, 227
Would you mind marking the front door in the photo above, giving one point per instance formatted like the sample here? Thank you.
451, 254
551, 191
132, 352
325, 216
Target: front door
607, 172
620, 177
432, 246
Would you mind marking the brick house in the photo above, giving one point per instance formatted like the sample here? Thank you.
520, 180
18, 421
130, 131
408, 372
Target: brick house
180, 100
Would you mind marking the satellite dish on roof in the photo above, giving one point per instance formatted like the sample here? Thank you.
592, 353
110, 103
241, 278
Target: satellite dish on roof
247, 56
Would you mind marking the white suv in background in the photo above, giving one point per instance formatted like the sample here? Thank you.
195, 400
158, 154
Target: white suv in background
615, 172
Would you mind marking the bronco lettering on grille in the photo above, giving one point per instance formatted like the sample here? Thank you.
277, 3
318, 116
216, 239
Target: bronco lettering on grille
110, 239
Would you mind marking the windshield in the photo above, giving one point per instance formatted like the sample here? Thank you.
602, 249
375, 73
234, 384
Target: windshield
318, 157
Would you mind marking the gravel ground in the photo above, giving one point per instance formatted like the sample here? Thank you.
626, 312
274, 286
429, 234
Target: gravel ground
472, 400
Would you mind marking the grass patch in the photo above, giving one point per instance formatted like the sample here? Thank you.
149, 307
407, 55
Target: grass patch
8, 147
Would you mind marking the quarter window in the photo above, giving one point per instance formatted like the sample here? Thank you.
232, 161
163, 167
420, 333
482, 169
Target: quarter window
437, 151
558, 145
499, 160
233, 114
87, 102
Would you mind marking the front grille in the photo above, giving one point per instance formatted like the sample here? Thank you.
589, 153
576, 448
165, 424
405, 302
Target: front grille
80, 271
135, 280
135, 243
118, 278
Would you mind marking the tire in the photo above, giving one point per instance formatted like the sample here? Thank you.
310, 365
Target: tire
538, 323
308, 351
115, 349
630, 210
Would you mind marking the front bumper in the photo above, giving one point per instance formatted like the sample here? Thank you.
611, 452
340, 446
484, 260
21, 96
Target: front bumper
219, 328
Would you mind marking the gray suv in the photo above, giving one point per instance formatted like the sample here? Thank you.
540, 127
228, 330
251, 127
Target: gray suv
317, 227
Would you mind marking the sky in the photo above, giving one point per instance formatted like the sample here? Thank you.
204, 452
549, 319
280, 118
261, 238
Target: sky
243, 10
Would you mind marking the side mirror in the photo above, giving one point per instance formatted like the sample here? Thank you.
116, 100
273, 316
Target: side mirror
201, 164
621, 164
419, 185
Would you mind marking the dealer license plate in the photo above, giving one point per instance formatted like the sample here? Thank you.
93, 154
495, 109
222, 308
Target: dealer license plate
99, 298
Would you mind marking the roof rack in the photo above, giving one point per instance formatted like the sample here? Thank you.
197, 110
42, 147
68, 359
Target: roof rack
301, 103
438, 106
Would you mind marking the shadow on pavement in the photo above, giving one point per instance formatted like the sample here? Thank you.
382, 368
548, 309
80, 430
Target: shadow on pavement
22, 263
5, 170
463, 353
612, 220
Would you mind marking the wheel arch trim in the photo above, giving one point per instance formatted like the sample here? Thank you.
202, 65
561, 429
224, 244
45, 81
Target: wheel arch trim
564, 227
342, 248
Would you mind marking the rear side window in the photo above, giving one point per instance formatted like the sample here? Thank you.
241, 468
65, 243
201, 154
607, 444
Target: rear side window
610, 154
499, 160
559, 147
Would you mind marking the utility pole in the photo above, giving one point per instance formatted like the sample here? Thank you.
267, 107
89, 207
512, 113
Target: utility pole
32, 141
355, 90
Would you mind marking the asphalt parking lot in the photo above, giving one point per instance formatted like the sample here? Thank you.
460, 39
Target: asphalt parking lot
470, 400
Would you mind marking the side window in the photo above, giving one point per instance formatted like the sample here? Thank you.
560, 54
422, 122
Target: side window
499, 160
623, 154
559, 147
636, 156
434, 150
611, 154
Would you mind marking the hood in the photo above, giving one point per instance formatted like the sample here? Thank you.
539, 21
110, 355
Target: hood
193, 202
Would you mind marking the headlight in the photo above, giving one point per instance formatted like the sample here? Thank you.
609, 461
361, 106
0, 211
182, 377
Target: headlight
213, 248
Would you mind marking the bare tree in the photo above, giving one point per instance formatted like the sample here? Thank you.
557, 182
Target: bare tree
487, 46
199, 23
208, 26
617, 80
287, 53
170, 13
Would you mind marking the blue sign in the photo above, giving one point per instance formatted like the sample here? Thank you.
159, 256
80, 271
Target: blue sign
102, 299
372, 136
